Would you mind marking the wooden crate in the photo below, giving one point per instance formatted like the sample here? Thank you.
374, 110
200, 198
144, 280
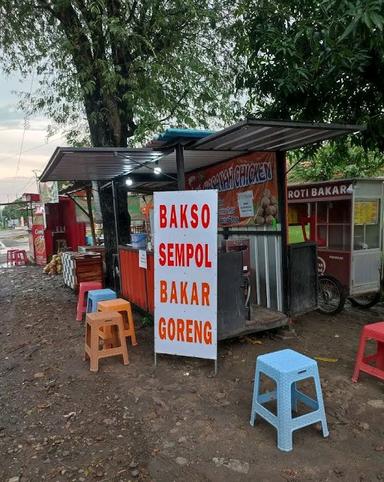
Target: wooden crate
80, 267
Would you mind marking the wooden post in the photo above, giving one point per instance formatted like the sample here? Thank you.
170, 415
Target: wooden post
90, 214
180, 167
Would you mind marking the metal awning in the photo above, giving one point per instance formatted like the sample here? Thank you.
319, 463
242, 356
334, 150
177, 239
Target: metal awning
96, 164
260, 135
103, 164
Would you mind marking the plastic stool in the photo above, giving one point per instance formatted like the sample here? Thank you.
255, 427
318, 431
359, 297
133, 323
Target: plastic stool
124, 308
84, 287
11, 256
21, 258
286, 367
375, 331
95, 324
94, 296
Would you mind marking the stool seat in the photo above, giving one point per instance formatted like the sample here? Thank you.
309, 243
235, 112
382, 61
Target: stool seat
125, 309
97, 345
84, 288
287, 361
375, 331
286, 367
371, 364
94, 296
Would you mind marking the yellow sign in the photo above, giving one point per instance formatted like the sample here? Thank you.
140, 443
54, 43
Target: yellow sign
366, 212
293, 215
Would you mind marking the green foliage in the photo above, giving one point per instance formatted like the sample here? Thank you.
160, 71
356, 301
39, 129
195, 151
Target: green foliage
314, 60
335, 160
14, 211
122, 67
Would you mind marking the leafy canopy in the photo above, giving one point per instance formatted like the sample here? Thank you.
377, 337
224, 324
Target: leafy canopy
124, 66
316, 60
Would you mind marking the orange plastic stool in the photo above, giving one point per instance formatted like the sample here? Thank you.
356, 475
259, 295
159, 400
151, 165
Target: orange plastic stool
123, 307
374, 331
96, 345
84, 287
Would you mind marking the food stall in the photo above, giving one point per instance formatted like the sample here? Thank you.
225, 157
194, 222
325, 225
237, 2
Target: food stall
345, 219
262, 282
53, 227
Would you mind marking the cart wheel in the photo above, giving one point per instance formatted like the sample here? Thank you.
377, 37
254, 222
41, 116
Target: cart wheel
331, 295
366, 301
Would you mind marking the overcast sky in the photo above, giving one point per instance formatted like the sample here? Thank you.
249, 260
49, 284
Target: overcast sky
35, 150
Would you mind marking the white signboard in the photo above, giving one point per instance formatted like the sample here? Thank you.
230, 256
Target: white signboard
245, 202
142, 258
185, 254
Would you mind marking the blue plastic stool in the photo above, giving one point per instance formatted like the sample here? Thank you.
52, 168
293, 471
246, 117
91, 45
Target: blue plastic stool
286, 367
94, 296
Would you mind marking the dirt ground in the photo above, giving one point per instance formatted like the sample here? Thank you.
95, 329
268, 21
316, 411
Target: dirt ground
60, 422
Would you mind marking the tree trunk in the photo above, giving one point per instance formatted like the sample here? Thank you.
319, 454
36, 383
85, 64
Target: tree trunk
109, 229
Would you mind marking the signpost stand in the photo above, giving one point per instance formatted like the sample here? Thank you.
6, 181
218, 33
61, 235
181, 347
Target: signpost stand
185, 254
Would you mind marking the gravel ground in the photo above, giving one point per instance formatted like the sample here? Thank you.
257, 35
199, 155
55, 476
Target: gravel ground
60, 422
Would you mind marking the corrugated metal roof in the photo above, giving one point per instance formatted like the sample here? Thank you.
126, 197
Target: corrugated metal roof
96, 164
259, 135
99, 164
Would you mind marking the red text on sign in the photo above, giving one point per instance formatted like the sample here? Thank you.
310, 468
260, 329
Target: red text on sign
184, 254
190, 331
184, 293
184, 216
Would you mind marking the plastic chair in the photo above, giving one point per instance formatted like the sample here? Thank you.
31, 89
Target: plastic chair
94, 296
96, 324
286, 367
374, 331
124, 308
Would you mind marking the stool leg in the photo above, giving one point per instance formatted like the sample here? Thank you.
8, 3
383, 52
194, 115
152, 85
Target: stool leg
380, 356
94, 362
123, 343
359, 358
320, 402
294, 396
80, 305
284, 415
256, 389
131, 325
87, 341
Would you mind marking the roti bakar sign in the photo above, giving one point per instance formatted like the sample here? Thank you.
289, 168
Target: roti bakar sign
185, 253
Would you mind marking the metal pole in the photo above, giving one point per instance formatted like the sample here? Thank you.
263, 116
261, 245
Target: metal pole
180, 167
114, 198
282, 189
90, 214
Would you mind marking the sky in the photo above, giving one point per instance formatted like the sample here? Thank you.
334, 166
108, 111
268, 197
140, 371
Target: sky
23, 153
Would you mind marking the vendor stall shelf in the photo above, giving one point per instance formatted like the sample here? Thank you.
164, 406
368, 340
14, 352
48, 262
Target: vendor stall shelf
345, 219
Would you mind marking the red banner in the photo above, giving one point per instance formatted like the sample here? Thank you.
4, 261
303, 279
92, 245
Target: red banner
247, 188
39, 244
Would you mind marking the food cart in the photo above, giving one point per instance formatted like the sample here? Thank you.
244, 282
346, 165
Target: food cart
53, 227
262, 282
345, 219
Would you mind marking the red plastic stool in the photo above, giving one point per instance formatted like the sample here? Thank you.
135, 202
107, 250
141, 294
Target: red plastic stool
11, 256
375, 331
84, 287
21, 258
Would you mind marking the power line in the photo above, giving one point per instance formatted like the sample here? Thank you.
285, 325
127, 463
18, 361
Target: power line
26, 126
32, 148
